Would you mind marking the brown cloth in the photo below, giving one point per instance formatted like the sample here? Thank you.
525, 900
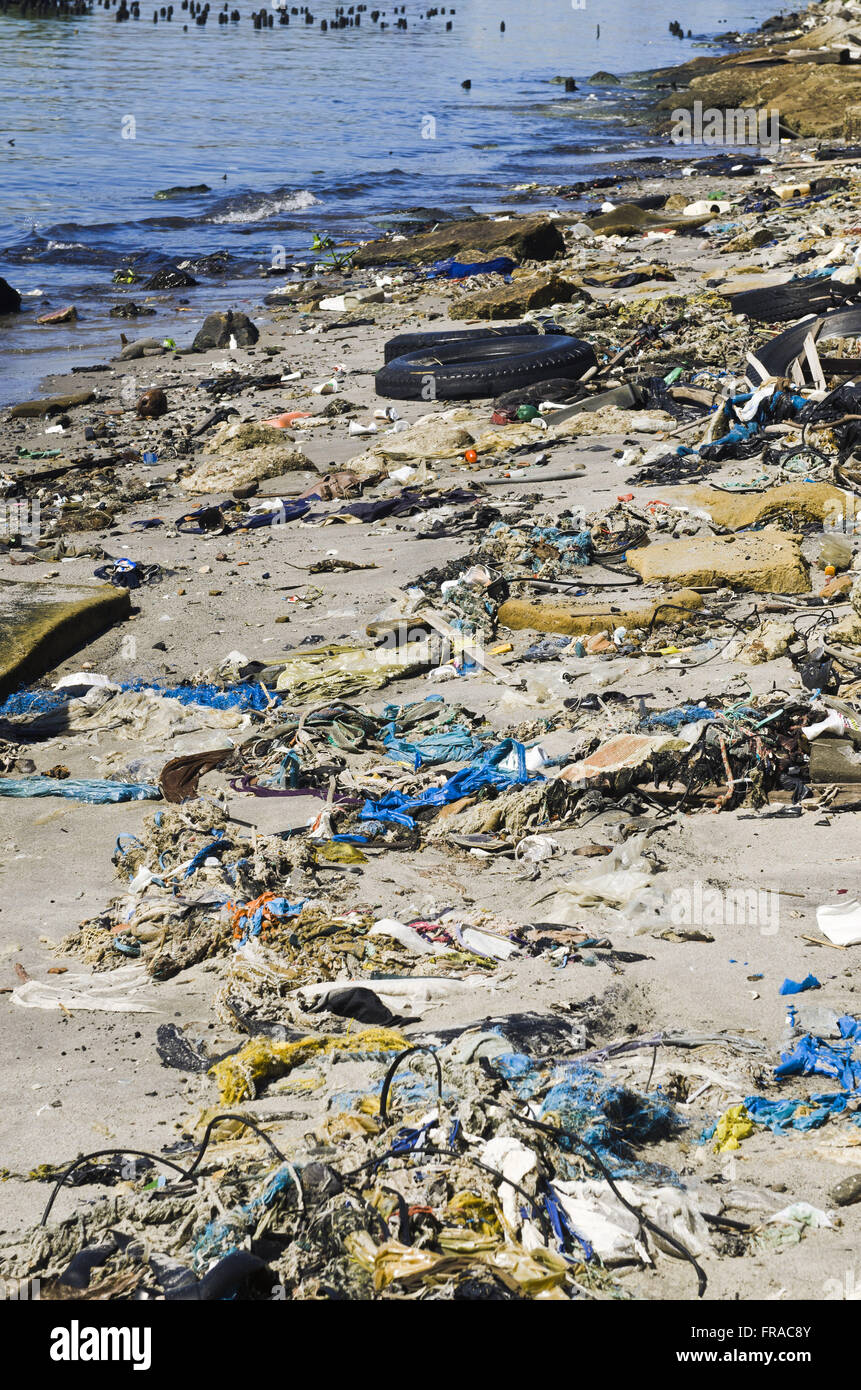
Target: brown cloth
179, 777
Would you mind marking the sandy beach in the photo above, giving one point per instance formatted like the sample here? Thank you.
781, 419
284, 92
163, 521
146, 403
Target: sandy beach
223, 600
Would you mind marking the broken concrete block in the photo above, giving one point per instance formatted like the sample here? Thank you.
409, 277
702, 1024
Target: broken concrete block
43, 623
798, 501
834, 760
762, 562
587, 616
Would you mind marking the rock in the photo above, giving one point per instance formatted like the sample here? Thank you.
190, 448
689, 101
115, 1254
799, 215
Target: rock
844, 1193
180, 192
169, 279
580, 618
524, 238
762, 562
10, 300
42, 623
130, 310
629, 220
603, 79
51, 405
152, 404
749, 241
812, 99
524, 292
218, 329
67, 315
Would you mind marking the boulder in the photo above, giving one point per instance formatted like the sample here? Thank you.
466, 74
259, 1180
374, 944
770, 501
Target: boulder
511, 300
218, 329
10, 300
169, 279
523, 238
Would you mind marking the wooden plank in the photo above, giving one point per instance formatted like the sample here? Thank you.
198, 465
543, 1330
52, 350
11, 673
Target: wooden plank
476, 653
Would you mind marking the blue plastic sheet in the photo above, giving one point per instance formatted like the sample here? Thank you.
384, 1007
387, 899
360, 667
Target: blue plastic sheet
453, 745
452, 269
97, 792
782, 1115
799, 986
482, 772
812, 1055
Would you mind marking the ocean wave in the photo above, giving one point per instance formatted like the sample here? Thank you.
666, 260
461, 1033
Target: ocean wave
259, 207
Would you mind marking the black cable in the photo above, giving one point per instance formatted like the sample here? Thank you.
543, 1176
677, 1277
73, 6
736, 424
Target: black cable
158, 1158
702, 1279
575, 583
390, 1076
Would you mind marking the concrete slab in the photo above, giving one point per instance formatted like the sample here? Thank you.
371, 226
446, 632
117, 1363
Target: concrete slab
43, 623
580, 618
762, 562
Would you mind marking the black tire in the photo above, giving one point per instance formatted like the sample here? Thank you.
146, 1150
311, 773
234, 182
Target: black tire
478, 368
777, 355
416, 342
783, 303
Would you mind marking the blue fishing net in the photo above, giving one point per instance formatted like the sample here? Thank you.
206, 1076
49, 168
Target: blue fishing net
242, 695
681, 714
228, 1232
580, 1101
27, 702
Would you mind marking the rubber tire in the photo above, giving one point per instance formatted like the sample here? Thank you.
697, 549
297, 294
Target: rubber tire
480, 368
415, 342
777, 355
785, 303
